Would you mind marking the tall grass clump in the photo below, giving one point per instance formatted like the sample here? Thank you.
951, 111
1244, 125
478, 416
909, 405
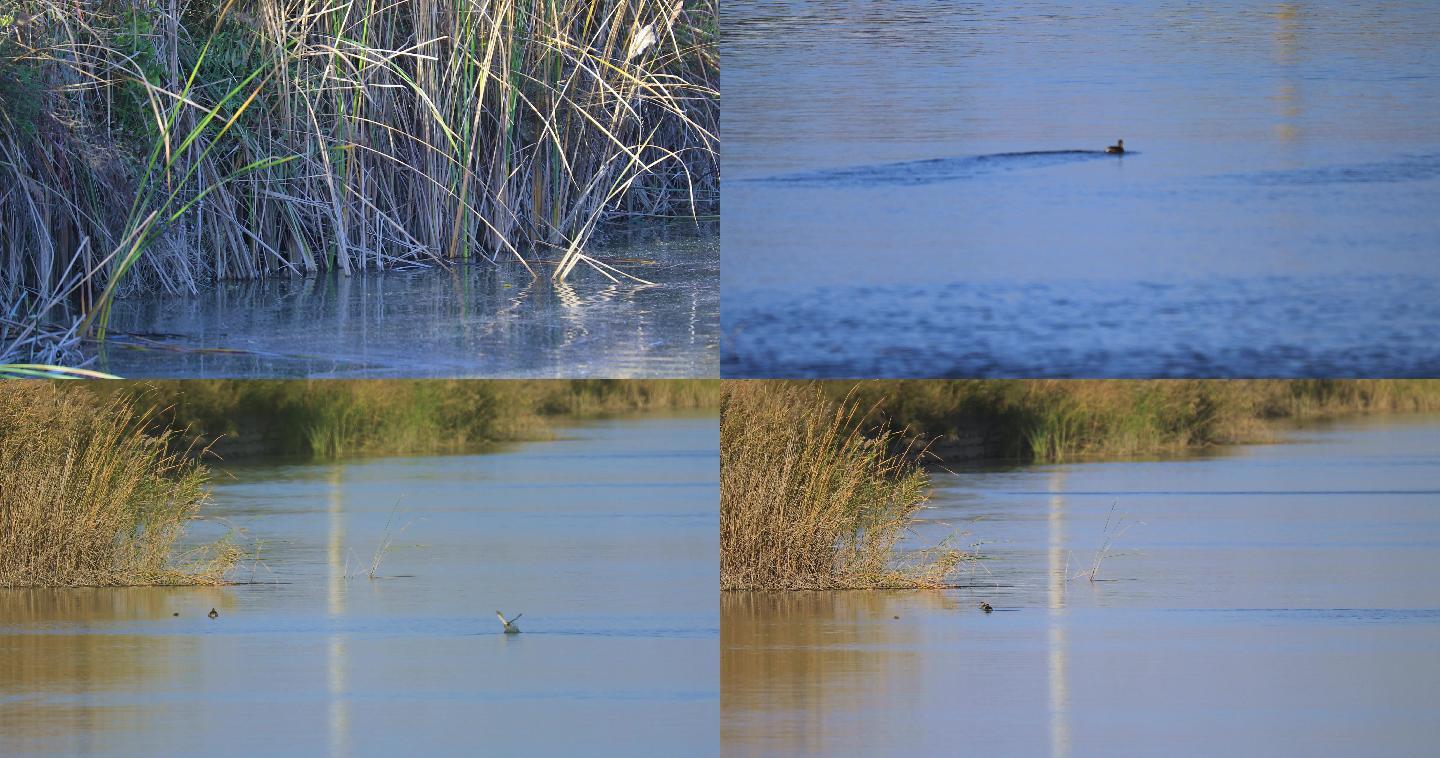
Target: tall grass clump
158, 145
89, 498
808, 501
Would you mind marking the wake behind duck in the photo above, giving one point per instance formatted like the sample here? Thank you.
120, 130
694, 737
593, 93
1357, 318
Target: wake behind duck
935, 170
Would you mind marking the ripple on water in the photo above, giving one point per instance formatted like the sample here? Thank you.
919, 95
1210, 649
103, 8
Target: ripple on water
1264, 327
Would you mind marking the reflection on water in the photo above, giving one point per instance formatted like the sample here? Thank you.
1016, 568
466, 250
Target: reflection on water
1281, 142
1277, 597
335, 654
606, 540
474, 320
1058, 580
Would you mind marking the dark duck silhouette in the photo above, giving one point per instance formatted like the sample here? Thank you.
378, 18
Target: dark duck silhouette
985, 607
214, 613
1118, 147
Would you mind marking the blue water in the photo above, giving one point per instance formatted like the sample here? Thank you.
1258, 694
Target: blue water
923, 191
606, 540
1261, 600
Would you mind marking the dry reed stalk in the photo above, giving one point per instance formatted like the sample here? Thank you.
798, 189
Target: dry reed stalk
171, 144
808, 501
87, 497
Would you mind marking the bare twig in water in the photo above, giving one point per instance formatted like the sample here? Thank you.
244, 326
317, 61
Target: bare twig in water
1120, 528
389, 538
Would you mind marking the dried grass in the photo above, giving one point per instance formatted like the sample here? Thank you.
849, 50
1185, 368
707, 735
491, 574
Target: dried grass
808, 501
89, 498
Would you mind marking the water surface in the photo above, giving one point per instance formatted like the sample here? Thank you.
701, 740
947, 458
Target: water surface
891, 173
1270, 600
476, 320
605, 541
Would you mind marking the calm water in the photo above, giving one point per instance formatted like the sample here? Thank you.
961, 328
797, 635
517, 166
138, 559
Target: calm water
1275, 600
913, 189
605, 541
477, 320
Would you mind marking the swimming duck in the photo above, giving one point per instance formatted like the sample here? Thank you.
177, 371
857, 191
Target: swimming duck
1118, 147
984, 606
510, 627
214, 614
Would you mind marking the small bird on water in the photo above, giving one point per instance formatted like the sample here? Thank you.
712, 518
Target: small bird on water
1118, 147
984, 606
214, 614
510, 627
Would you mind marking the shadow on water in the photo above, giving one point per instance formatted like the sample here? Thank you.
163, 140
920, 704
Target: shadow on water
933, 170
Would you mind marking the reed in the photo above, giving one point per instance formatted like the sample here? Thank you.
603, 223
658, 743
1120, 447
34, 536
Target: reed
89, 498
1060, 420
809, 502
153, 144
337, 418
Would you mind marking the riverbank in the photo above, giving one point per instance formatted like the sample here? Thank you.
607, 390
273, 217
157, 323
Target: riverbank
1047, 421
327, 419
820, 480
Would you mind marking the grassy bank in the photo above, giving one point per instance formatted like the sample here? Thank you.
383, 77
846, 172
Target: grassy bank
329, 419
807, 502
91, 498
154, 144
1058, 420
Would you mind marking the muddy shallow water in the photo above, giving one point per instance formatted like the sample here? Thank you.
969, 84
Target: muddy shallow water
1274, 599
477, 320
605, 541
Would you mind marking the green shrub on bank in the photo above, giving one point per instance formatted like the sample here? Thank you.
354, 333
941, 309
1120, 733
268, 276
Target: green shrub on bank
1048, 420
334, 418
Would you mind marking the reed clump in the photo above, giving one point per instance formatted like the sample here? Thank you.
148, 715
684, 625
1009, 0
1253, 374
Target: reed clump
154, 144
1046, 420
89, 498
808, 501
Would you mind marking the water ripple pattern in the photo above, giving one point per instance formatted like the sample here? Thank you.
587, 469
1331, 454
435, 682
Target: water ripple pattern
1272, 327
932, 170
477, 320
920, 189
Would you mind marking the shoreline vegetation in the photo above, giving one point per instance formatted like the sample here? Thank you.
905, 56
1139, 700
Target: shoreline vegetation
809, 502
1047, 421
98, 480
92, 498
156, 146
326, 419
820, 481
